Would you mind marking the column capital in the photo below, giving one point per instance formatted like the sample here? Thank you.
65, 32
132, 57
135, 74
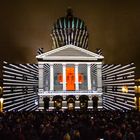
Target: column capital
51, 64
88, 64
99, 66
41, 66
64, 64
40, 62
76, 64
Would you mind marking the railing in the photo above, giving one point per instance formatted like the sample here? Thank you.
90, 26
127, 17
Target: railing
76, 91
70, 92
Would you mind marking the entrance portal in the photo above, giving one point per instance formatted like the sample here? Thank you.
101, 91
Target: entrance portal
83, 102
71, 102
95, 102
46, 103
57, 102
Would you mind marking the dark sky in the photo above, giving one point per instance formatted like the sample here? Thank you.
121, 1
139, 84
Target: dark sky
113, 26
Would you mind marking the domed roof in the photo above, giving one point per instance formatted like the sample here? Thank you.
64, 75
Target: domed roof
69, 30
69, 21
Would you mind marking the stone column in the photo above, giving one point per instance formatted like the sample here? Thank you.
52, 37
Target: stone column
51, 77
89, 76
41, 77
99, 77
76, 78
64, 76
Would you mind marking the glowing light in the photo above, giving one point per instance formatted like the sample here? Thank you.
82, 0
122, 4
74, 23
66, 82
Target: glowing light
135, 99
0, 90
1, 104
137, 89
70, 78
125, 89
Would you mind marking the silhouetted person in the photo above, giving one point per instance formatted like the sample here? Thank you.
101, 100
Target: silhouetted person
95, 102
46, 103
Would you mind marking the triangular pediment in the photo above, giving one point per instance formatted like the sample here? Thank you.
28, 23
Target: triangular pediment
69, 52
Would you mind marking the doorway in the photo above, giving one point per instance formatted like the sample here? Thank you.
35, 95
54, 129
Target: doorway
46, 103
83, 102
71, 102
95, 102
57, 102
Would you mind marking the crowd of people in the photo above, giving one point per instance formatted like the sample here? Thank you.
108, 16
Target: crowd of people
70, 125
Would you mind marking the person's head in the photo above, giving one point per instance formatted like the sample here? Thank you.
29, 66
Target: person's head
131, 136
67, 137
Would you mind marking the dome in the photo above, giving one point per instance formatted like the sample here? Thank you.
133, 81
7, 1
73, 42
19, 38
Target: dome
69, 30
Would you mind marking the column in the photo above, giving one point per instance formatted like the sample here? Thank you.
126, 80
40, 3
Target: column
89, 76
41, 77
51, 77
99, 77
76, 78
64, 77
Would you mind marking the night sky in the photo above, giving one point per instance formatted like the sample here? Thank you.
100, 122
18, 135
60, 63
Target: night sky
113, 26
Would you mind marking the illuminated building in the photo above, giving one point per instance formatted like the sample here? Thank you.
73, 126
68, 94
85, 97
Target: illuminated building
69, 76
70, 71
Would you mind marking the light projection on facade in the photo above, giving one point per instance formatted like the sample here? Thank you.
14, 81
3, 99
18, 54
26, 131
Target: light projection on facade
69, 69
69, 76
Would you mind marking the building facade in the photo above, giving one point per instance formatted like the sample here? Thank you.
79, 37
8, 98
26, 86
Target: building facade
69, 71
69, 76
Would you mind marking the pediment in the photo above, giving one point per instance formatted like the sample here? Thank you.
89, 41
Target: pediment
69, 52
